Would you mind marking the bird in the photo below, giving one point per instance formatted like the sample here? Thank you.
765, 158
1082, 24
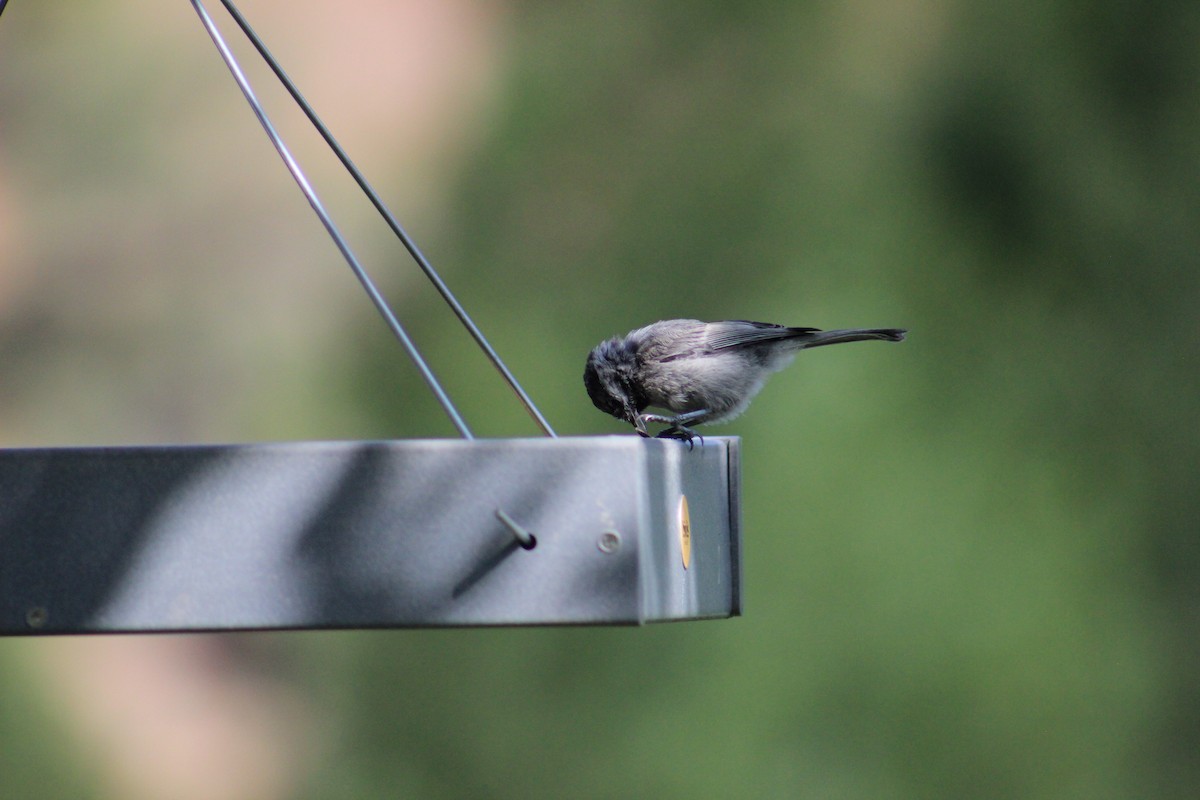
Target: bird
700, 372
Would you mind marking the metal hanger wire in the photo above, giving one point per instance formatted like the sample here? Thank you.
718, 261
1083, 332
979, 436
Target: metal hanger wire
331, 228
390, 218
335, 234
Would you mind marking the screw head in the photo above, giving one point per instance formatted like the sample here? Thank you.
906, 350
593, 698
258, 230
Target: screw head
609, 542
37, 617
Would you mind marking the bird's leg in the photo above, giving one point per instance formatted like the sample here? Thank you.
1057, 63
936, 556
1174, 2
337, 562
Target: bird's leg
690, 416
678, 425
677, 421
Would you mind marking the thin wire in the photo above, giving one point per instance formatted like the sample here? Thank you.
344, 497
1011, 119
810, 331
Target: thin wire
391, 220
327, 221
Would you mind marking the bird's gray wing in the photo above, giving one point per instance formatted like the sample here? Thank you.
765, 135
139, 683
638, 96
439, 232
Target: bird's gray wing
670, 340
741, 333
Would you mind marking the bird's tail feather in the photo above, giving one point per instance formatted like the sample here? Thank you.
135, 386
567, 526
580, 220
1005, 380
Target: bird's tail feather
808, 339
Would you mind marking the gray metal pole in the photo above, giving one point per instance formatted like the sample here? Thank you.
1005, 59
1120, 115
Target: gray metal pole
313, 200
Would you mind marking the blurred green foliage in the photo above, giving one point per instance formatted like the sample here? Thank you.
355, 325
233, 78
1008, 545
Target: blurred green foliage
973, 559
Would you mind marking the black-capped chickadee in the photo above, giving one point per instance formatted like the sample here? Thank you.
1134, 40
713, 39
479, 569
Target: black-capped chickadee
699, 371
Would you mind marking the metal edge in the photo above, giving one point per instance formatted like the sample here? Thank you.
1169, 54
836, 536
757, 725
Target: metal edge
734, 449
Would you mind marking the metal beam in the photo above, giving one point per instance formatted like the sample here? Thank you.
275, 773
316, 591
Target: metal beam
391, 534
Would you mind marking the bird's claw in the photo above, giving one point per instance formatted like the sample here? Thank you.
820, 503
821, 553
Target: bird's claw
639, 425
682, 433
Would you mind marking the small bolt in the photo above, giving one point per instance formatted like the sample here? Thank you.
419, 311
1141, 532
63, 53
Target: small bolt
609, 542
37, 617
524, 538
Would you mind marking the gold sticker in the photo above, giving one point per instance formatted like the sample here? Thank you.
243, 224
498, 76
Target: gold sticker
685, 531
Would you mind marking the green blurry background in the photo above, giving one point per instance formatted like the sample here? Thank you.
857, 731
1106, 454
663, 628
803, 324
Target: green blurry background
972, 559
